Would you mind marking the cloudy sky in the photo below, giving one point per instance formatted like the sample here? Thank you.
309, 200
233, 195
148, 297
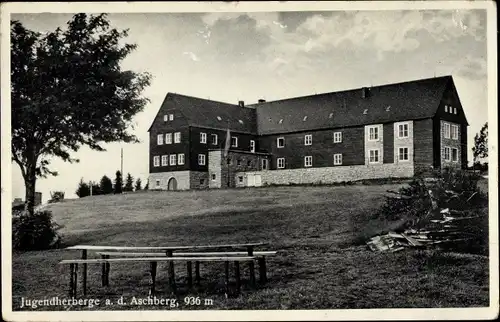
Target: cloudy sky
274, 55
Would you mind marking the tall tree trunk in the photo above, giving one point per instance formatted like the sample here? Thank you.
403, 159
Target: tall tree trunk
29, 183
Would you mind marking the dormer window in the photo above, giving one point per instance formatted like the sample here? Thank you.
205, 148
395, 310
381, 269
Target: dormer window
365, 111
388, 108
219, 118
281, 121
305, 118
240, 121
330, 116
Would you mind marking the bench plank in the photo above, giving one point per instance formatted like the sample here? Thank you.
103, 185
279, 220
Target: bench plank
157, 259
261, 253
159, 248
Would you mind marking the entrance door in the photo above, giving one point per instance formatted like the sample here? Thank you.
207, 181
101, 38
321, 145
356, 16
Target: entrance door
172, 184
258, 180
250, 180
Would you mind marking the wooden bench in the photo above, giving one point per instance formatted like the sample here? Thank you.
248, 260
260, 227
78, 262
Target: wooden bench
73, 265
169, 252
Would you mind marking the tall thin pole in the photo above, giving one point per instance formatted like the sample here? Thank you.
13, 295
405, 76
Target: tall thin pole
121, 165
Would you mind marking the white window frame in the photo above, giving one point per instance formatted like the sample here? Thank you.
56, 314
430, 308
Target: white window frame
201, 159
177, 137
180, 159
156, 161
168, 138
278, 142
164, 160
173, 159
454, 110
447, 130
165, 118
447, 153
159, 139
308, 139
157, 182
308, 161
214, 136
252, 146
401, 128
203, 137
451, 155
280, 161
375, 131
370, 157
454, 131
240, 179
407, 154
234, 141
170, 117
337, 137
446, 108
337, 159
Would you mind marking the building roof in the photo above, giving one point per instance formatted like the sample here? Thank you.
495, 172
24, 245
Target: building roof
212, 114
410, 100
387, 103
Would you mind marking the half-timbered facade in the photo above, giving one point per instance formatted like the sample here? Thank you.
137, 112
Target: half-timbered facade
393, 130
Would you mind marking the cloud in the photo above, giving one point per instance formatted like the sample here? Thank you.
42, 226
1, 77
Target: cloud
191, 55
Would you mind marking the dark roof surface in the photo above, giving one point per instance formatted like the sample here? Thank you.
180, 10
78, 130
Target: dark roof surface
387, 103
206, 113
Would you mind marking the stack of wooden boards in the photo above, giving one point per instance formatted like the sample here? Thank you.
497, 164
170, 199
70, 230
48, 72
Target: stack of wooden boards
170, 255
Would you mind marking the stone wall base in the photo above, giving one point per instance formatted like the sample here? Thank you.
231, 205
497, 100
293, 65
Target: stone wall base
333, 174
159, 180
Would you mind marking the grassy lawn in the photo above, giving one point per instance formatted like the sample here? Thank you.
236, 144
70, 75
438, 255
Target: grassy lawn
318, 266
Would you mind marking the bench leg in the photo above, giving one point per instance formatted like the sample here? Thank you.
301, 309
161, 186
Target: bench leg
103, 272
226, 266
262, 270
153, 266
189, 274
197, 272
171, 273
251, 266
71, 279
75, 280
108, 268
84, 280
237, 276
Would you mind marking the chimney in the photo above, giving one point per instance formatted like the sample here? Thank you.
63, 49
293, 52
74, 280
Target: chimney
241, 103
365, 92
262, 100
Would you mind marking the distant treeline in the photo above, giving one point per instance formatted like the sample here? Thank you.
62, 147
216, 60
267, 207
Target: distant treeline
105, 186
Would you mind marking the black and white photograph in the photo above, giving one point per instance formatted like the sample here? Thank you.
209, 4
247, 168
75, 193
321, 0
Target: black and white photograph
249, 161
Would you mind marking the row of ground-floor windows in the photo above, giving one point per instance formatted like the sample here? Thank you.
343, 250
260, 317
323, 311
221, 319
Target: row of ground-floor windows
176, 159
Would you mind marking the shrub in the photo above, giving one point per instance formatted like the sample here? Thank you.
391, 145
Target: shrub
106, 185
56, 196
34, 232
83, 189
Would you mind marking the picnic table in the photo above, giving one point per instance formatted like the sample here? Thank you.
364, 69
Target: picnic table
170, 254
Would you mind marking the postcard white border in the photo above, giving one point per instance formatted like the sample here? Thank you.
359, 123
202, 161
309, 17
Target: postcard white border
240, 315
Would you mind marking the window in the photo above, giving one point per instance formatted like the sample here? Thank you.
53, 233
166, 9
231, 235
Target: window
403, 130
403, 154
454, 154
177, 137
164, 160
240, 179
159, 138
157, 182
337, 137
264, 164
201, 159
203, 137
280, 142
168, 138
446, 130
446, 108
454, 110
170, 117
249, 163
165, 117
337, 159
446, 153
214, 139
214, 177
374, 156
180, 158
202, 181
219, 118
238, 162
281, 163
234, 142
305, 118
373, 133
156, 161
308, 161
252, 146
454, 132
308, 139
173, 159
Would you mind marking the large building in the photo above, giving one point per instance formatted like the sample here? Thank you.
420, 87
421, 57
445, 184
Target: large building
393, 130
